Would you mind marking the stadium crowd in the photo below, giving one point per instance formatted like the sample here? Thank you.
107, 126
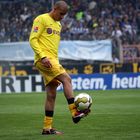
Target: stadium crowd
86, 19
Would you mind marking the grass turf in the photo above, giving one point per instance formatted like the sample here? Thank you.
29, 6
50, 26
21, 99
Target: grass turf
115, 116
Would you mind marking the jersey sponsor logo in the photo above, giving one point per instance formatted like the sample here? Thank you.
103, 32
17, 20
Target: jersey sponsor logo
35, 29
50, 31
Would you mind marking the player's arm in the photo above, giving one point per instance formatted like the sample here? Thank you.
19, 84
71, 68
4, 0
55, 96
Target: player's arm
37, 29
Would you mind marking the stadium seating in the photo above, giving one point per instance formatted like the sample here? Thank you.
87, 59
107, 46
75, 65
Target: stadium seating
86, 20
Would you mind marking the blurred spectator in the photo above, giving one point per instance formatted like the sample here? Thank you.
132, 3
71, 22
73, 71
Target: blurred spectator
115, 59
117, 33
138, 22
86, 20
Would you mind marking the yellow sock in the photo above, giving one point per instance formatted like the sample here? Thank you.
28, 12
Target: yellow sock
47, 122
72, 109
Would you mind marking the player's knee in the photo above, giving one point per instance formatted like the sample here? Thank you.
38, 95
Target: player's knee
51, 96
67, 79
64, 78
51, 92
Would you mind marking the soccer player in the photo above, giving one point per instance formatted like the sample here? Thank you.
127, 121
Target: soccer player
44, 40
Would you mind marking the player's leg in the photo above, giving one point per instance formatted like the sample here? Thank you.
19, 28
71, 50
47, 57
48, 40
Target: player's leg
68, 92
49, 110
51, 87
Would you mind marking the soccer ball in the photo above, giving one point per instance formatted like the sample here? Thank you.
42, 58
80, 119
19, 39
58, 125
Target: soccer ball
83, 101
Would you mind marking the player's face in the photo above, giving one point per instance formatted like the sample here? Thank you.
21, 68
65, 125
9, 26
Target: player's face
60, 13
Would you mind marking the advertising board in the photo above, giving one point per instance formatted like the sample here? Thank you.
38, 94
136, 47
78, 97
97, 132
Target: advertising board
34, 83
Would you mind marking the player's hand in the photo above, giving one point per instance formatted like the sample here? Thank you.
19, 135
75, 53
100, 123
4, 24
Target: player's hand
46, 62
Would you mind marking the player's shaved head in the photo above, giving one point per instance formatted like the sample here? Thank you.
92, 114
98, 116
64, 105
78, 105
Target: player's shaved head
61, 4
59, 10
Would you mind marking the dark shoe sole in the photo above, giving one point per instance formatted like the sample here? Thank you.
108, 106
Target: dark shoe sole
78, 118
51, 132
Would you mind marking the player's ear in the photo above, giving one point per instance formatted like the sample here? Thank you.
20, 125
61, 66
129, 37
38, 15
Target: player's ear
55, 8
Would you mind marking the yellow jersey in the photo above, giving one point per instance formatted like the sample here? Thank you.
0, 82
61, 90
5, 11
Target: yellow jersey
45, 37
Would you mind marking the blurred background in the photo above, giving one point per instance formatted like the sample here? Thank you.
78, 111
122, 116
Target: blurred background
98, 36
99, 48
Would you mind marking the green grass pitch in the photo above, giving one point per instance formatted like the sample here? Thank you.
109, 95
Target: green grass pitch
115, 115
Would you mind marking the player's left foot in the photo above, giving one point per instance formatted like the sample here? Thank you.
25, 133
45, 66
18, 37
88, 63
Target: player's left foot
51, 132
79, 115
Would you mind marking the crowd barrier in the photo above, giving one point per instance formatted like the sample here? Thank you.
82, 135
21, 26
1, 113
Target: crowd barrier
77, 68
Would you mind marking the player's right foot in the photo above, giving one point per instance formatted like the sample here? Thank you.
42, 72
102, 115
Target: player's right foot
51, 132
